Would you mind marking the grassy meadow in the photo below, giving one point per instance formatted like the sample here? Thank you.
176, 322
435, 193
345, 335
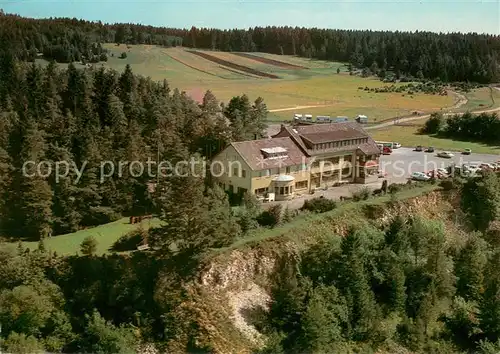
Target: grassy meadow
409, 136
480, 99
318, 84
106, 235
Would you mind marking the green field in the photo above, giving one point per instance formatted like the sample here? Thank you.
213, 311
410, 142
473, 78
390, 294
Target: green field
106, 235
480, 99
318, 85
409, 136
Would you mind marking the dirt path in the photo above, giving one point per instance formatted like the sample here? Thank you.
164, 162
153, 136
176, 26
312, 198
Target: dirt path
300, 107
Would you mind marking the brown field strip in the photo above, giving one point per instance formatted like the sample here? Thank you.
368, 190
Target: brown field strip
270, 61
237, 72
233, 65
194, 68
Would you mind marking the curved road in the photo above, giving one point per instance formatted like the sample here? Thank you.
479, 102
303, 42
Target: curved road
408, 119
275, 128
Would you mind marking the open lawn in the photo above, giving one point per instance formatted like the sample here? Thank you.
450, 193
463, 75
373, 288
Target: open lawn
409, 136
106, 235
301, 227
318, 85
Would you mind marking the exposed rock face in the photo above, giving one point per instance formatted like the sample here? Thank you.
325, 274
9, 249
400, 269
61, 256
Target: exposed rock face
243, 303
241, 280
238, 270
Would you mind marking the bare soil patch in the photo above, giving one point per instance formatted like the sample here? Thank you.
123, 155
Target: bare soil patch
270, 61
233, 65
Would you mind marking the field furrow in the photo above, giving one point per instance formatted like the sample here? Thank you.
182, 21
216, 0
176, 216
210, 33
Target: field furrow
233, 65
193, 67
273, 62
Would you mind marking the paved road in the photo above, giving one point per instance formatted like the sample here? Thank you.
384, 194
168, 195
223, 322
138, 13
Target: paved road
398, 166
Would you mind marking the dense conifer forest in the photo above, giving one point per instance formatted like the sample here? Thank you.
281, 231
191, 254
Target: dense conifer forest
86, 117
448, 57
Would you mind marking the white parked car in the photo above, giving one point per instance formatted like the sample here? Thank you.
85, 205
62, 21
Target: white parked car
471, 169
442, 171
445, 154
487, 166
396, 145
419, 176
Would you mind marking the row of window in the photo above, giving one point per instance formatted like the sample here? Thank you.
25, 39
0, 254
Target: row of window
333, 160
282, 190
336, 144
288, 169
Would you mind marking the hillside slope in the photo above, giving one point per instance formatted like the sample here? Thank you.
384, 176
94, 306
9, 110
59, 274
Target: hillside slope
235, 285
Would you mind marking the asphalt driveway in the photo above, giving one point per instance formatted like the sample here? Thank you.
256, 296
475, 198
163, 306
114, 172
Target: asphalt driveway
404, 161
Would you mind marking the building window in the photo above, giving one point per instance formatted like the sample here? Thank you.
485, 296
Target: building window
243, 173
287, 170
334, 160
231, 188
301, 185
282, 190
235, 172
276, 190
260, 191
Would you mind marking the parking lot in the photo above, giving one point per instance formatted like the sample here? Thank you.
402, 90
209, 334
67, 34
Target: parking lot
404, 161
398, 166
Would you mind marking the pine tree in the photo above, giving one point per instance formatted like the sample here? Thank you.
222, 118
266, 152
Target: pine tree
489, 306
258, 117
469, 267
322, 321
89, 246
64, 205
35, 195
363, 310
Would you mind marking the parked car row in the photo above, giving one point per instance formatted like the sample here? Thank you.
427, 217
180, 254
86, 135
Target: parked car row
477, 168
445, 154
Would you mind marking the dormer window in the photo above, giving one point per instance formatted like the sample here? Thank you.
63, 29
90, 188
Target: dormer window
274, 153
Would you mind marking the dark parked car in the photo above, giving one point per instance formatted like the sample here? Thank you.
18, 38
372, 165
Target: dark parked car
430, 149
419, 148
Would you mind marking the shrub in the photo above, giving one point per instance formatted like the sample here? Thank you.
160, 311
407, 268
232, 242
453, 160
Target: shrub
363, 194
270, 217
88, 246
21, 343
384, 186
395, 188
319, 205
123, 55
447, 184
100, 215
